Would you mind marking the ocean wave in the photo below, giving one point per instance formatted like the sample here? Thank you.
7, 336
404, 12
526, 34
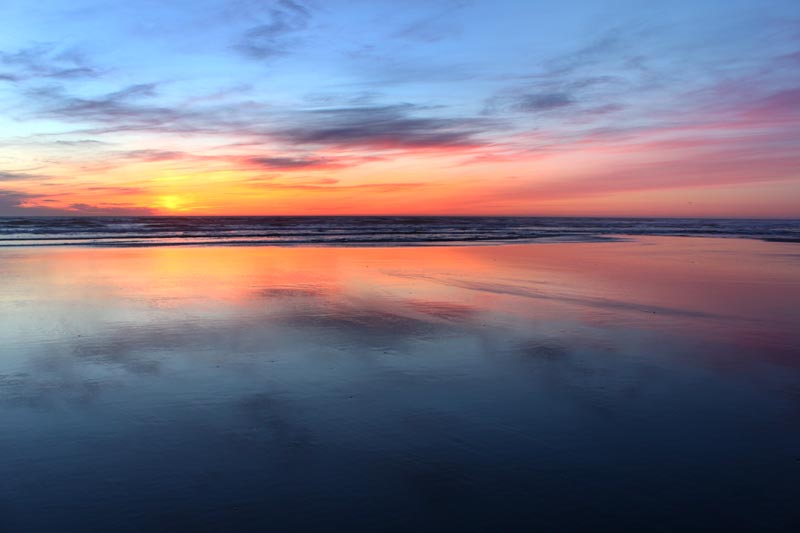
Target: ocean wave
366, 231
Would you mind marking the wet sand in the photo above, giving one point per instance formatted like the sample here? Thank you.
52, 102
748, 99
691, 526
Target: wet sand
645, 385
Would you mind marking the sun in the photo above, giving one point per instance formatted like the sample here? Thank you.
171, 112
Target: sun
171, 202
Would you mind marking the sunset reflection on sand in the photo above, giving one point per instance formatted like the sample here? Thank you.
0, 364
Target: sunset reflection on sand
302, 386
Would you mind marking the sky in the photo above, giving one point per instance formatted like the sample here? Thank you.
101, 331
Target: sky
440, 107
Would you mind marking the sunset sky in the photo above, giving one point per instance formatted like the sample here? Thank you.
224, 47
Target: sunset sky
520, 107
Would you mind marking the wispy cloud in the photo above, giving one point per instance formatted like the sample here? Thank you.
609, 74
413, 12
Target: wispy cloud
18, 176
122, 108
435, 26
332, 186
544, 101
107, 209
45, 61
284, 19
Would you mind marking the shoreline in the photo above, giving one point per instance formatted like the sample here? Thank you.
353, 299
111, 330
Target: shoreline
107, 242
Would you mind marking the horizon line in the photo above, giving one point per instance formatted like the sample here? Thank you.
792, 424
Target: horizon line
631, 217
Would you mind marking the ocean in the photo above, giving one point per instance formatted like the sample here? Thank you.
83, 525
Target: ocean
630, 375
367, 231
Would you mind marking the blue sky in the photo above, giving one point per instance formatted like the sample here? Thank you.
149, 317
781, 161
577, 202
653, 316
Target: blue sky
504, 106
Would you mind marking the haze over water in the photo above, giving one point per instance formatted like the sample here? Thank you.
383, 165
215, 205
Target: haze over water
643, 385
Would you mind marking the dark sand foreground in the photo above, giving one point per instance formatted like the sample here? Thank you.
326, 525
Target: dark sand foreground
651, 385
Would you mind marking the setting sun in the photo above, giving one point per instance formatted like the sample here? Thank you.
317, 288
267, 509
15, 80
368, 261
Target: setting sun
172, 202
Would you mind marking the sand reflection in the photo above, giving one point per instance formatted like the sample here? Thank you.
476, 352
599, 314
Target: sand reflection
408, 378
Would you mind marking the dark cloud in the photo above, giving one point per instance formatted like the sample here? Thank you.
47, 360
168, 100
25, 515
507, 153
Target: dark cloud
583, 94
273, 38
14, 203
81, 142
544, 102
291, 163
301, 162
393, 126
10, 201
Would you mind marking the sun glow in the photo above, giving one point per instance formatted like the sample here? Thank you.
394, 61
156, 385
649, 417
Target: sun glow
172, 202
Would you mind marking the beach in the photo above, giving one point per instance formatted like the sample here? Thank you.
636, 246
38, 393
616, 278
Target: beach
644, 383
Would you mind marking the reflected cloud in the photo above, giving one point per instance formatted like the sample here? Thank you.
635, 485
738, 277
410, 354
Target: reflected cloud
261, 315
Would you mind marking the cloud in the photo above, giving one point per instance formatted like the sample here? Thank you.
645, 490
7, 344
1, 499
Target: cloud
304, 162
116, 190
590, 79
608, 45
556, 94
108, 209
10, 201
436, 26
152, 155
293, 163
132, 108
274, 38
15, 203
245, 162
387, 126
331, 185
81, 142
119, 107
15, 176
46, 61
544, 102
391, 126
